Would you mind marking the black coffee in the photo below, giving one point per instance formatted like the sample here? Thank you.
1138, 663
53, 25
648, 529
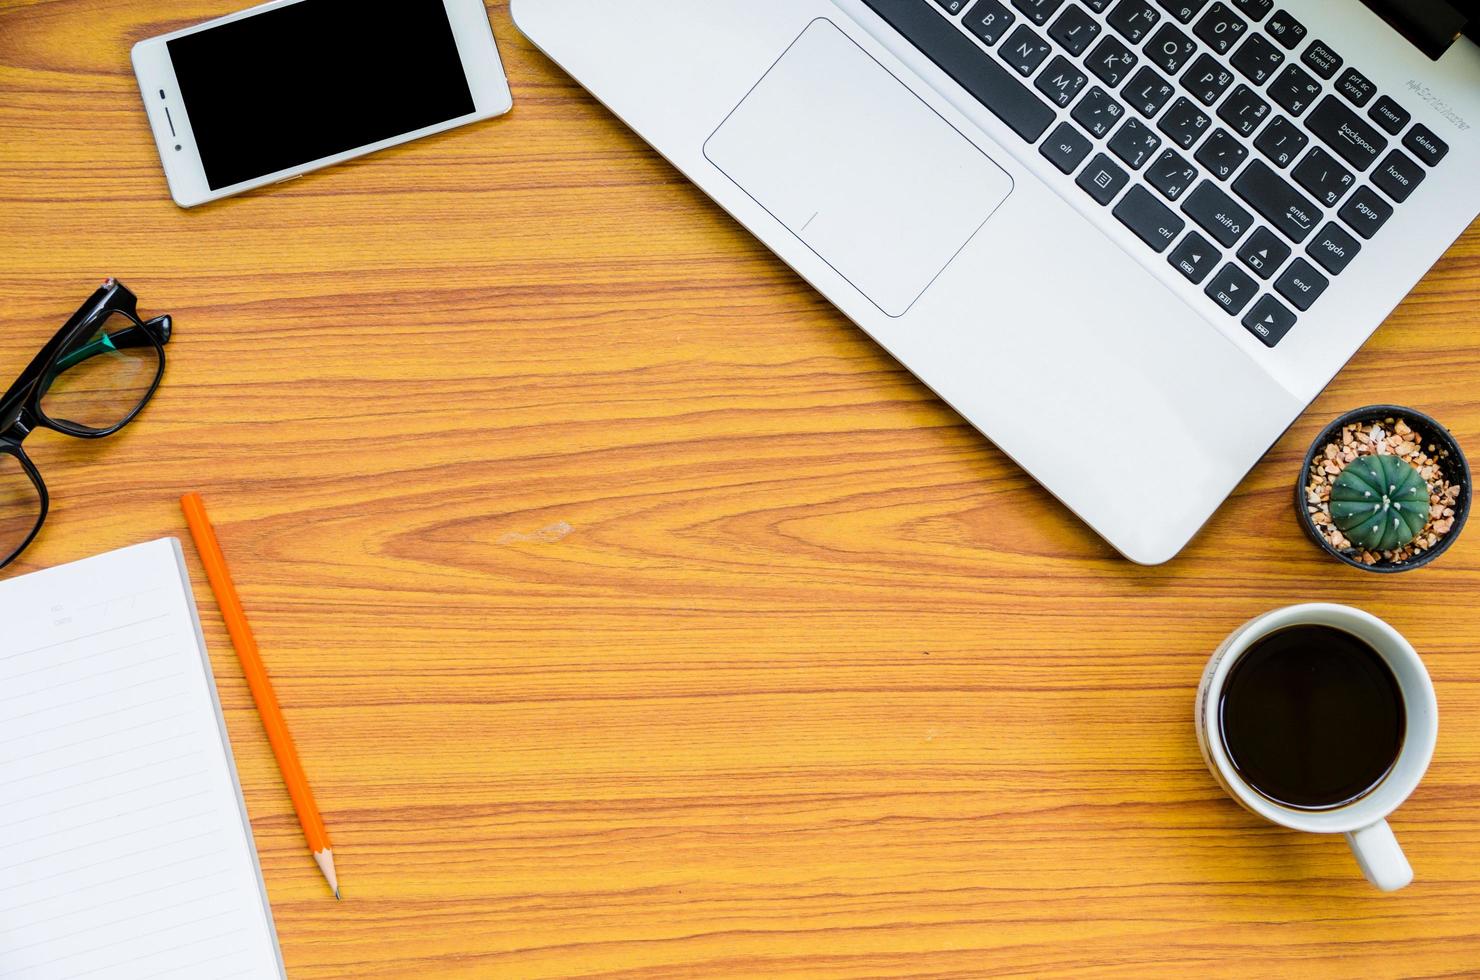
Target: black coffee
1312, 717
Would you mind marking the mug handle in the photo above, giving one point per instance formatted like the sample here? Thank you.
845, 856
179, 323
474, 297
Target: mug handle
1380, 857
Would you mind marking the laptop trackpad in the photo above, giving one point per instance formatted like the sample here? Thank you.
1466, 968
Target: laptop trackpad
858, 167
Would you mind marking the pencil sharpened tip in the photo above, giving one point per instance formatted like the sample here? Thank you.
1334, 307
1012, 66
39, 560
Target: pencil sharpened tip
336, 896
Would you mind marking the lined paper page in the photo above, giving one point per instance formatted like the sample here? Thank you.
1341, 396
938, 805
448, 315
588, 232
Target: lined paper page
124, 847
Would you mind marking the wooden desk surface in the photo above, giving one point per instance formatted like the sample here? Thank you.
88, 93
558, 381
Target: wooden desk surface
636, 614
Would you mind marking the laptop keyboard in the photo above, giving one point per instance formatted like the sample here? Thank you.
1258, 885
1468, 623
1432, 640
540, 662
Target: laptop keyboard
1220, 134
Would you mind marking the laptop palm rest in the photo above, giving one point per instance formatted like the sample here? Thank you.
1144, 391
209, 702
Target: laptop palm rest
871, 178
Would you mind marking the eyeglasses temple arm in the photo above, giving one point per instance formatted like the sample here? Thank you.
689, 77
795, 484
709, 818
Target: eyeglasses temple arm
137, 336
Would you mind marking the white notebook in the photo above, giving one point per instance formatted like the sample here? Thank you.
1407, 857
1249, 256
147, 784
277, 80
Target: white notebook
125, 850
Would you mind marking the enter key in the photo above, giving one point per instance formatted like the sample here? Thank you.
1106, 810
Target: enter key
1290, 211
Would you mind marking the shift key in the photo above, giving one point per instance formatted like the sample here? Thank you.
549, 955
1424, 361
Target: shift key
1357, 141
1217, 213
1283, 206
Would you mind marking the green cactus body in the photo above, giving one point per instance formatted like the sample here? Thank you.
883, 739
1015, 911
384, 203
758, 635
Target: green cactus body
1380, 503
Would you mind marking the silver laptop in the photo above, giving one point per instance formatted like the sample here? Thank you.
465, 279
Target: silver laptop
1092, 223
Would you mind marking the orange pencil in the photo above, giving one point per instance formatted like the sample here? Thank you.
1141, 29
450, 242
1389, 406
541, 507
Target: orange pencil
278, 735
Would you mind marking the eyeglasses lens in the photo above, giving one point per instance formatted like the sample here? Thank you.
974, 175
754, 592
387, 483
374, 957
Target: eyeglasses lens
20, 506
104, 377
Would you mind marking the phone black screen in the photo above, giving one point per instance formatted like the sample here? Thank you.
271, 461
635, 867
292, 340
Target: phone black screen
316, 78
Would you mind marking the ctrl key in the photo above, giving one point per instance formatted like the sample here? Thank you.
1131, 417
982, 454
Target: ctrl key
1269, 321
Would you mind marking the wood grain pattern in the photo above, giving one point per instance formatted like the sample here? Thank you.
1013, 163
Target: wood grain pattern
636, 615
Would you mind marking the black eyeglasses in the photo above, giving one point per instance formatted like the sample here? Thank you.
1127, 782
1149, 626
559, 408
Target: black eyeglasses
90, 380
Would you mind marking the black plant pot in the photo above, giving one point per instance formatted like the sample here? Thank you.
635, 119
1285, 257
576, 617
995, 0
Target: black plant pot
1452, 462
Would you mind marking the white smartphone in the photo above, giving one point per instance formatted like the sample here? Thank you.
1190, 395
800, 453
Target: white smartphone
270, 93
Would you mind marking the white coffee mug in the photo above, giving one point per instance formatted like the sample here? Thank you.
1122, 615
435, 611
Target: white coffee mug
1364, 820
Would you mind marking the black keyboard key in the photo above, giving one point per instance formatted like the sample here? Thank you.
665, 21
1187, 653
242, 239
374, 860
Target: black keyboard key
1321, 174
1397, 175
1356, 87
1269, 320
1171, 174
1281, 141
1422, 143
988, 20
1182, 10
1038, 11
1194, 257
1060, 81
1111, 61
1220, 27
1222, 154
1389, 115
1184, 123
1102, 179
1097, 112
1206, 79
955, 54
1256, 59
1255, 10
1301, 284
1286, 30
1216, 213
1024, 51
1263, 252
1133, 19
1243, 110
1074, 29
1365, 212
1134, 143
1147, 92
952, 6
1169, 49
1295, 89
1066, 148
1098, 6
1231, 288
1333, 248
1321, 59
1153, 222
1352, 137
1291, 212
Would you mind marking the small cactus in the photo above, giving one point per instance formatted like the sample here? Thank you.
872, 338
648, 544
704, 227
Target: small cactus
1380, 503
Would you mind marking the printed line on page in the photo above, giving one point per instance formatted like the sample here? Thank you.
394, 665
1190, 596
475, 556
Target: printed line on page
51, 708
87, 677
80, 721
111, 775
92, 926
57, 665
88, 636
93, 802
131, 750
96, 738
108, 819
158, 952
153, 873
210, 959
113, 859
